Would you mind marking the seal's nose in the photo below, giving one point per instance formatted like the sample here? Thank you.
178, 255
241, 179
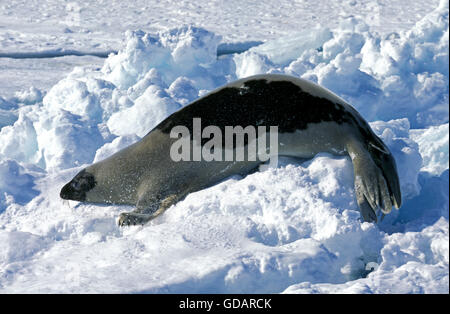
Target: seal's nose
66, 192
76, 189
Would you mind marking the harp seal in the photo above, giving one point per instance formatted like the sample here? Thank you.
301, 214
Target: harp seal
310, 120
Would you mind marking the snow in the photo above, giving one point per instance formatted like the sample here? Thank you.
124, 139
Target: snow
293, 229
433, 146
97, 25
408, 259
19, 75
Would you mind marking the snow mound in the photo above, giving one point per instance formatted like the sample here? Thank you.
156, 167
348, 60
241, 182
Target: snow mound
433, 146
395, 134
284, 50
184, 51
17, 184
408, 261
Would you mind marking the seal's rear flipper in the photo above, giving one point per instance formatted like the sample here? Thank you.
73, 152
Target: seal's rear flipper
367, 212
373, 192
385, 161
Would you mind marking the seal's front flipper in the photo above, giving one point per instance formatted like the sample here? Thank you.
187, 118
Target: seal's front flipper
133, 218
142, 214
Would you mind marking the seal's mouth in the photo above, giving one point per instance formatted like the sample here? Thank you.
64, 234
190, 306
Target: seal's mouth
65, 192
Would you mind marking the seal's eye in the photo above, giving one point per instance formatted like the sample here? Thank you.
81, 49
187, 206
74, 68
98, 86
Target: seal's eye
77, 188
75, 185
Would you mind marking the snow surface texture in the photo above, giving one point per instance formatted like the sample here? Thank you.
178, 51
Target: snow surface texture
97, 25
293, 229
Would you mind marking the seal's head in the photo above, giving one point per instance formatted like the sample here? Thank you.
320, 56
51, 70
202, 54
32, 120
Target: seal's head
77, 188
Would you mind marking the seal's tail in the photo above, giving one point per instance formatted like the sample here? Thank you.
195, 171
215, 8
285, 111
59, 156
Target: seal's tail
377, 184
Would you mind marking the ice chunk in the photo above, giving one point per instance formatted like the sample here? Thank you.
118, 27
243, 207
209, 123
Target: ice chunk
284, 50
117, 144
395, 134
73, 95
251, 63
66, 140
29, 97
142, 52
191, 46
181, 51
19, 141
433, 146
148, 110
152, 77
183, 91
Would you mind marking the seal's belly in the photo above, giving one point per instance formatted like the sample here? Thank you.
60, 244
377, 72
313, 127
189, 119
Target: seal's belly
305, 143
